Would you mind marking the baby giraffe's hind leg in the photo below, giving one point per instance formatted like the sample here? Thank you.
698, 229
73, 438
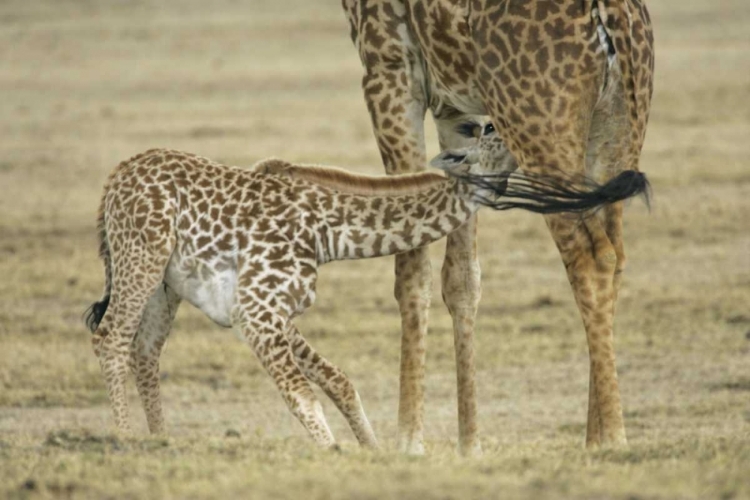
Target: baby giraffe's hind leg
152, 334
134, 280
335, 384
269, 341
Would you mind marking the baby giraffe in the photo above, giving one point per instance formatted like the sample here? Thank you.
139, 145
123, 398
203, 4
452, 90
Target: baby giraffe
244, 246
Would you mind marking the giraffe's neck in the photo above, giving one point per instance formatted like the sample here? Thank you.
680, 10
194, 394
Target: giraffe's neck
375, 225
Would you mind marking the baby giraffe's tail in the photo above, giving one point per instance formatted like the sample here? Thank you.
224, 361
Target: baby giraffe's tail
94, 314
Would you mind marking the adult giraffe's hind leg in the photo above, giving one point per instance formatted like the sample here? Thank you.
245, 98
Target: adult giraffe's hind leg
591, 261
335, 384
397, 108
461, 287
608, 152
152, 334
549, 117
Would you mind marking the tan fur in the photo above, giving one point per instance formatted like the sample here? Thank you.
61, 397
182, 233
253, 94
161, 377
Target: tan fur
538, 69
347, 182
244, 246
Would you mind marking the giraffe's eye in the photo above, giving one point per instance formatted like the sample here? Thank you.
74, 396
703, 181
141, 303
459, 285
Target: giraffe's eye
488, 129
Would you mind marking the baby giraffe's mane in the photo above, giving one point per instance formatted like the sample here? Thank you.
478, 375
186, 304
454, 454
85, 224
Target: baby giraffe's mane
347, 182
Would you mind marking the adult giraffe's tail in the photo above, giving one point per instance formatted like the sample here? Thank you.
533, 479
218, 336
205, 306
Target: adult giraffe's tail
551, 194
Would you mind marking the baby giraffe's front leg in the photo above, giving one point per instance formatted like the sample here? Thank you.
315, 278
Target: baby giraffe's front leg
335, 384
267, 337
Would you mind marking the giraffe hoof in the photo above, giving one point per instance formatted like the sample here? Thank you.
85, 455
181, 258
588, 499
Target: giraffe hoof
618, 441
370, 445
592, 445
471, 450
335, 448
412, 447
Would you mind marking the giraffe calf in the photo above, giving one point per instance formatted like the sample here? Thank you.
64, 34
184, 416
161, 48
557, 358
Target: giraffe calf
232, 242
244, 246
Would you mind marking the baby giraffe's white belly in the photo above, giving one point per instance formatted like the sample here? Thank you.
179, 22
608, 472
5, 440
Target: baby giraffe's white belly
210, 290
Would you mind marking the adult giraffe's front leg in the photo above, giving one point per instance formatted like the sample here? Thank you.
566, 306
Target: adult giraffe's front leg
593, 261
399, 132
461, 289
393, 94
461, 292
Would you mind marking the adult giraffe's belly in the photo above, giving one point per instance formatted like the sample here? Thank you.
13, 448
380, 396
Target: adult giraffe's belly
440, 39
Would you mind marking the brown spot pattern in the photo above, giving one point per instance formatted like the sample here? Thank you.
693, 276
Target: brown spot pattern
538, 69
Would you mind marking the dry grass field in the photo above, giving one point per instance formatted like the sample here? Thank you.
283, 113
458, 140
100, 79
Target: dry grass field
84, 85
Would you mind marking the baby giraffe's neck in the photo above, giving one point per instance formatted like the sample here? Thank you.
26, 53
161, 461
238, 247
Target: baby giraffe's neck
377, 216
387, 224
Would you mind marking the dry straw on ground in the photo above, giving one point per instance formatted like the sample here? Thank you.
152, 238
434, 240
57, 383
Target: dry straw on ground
87, 84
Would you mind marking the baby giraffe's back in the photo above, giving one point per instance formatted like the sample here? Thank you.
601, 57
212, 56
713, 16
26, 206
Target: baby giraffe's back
234, 243
212, 221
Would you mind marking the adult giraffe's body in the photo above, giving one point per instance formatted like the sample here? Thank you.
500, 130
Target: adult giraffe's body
567, 84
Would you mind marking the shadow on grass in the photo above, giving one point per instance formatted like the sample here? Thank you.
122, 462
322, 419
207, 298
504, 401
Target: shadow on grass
85, 441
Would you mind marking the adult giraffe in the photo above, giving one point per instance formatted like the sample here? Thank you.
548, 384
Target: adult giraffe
567, 84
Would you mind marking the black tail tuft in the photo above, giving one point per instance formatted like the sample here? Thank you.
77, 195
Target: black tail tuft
94, 314
550, 194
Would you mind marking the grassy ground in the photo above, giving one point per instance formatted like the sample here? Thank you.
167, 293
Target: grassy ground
87, 84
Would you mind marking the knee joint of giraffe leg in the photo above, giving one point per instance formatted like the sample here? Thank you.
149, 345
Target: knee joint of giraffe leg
457, 300
307, 406
343, 393
606, 260
347, 388
461, 287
